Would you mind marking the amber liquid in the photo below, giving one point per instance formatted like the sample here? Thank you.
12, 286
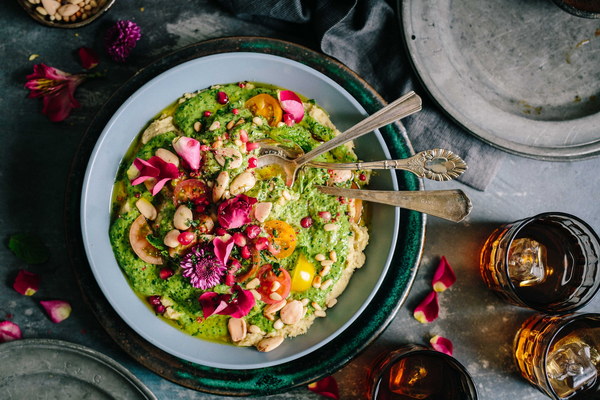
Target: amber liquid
421, 377
565, 267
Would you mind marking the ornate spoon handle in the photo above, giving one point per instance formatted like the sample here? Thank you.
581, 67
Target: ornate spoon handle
436, 164
453, 205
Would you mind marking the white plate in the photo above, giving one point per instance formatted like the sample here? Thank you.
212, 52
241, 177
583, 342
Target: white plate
126, 124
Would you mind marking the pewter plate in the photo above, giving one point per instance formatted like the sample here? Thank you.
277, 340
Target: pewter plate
55, 369
521, 75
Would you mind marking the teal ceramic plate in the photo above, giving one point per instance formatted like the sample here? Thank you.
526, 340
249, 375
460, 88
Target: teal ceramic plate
367, 306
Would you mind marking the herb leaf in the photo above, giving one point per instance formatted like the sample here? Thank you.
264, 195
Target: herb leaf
28, 248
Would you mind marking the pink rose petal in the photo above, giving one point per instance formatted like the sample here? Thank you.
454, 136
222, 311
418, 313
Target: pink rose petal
212, 303
327, 387
146, 171
237, 304
27, 283
444, 276
58, 310
87, 57
235, 212
189, 150
291, 104
9, 331
428, 309
441, 344
222, 249
156, 168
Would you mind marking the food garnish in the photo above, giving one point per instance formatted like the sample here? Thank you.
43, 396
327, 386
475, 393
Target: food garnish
9, 331
441, 344
57, 310
428, 309
27, 283
444, 276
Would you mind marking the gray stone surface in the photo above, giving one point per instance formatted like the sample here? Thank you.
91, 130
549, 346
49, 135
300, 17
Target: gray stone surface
36, 157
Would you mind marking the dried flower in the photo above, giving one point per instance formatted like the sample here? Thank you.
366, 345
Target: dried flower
235, 212
203, 267
327, 387
121, 38
236, 304
444, 276
56, 88
156, 168
428, 309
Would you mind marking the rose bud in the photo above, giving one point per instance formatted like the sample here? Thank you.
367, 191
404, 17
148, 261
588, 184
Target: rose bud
444, 276
58, 310
441, 344
428, 309
27, 283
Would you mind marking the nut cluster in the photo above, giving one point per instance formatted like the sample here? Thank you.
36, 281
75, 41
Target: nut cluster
66, 10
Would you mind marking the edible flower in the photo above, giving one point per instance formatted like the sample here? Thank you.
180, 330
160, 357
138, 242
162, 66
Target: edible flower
189, 150
441, 344
428, 309
121, 38
292, 105
327, 387
444, 276
222, 249
27, 283
56, 88
236, 304
87, 57
156, 168
235, 212
9, 331
57, 310
203, 267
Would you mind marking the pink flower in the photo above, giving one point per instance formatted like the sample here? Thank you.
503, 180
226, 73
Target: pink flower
444, 276
9, 331
57, 310
121, 38
27, 283
327, 387
56, 88
222, 249
87, 57
237, 304
235, 212
428, 309
189, 150
156, 168
203, 267
442, 344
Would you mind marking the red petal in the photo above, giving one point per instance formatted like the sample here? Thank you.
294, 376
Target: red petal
222, 249
444, 276
26, 283
87, 57
327, 387
58, 310
428, 309
441, 344
9, 331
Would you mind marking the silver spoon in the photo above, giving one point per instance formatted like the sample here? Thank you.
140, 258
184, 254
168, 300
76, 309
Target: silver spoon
406, 105
453, 205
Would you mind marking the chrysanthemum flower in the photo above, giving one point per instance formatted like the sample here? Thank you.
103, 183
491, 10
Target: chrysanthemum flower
121, 38
203, 268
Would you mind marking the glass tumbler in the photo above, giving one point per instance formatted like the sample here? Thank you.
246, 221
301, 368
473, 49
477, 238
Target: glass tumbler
549, 262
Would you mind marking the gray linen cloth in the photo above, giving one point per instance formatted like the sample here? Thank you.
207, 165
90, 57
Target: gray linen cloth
365, 35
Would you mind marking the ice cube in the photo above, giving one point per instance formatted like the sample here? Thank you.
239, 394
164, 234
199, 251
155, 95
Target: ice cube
527, 262
415, 377
569, 368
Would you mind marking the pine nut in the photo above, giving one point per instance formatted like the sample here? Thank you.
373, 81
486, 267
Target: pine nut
326, 284
331, 303
276, 285
325, 271
257, 121
320, 257
197, 126
230, 124
214, 126
254, 329
253, 284
333, 255
330, 227
320, 313
326, 263
304, 301
275, 296
316, 282
278, 324
316, 305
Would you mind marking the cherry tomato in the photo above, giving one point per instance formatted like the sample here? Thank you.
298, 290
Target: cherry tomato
266, 106
268, 277
303, 274
137, 238
282, 237
193, 190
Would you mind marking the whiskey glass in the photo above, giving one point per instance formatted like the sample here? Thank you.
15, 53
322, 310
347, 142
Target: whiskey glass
417, 372
560, 355
549, 262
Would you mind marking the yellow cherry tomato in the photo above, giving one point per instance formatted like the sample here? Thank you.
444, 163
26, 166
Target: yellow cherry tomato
282, 238
266, 106
303, 274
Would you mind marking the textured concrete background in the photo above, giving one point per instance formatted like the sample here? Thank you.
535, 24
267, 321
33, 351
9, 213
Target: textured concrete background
36, 156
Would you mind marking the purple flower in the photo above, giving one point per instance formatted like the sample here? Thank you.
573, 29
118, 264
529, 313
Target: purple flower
203, 268
121, 38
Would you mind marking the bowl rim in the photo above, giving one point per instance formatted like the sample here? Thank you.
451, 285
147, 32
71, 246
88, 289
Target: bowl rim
249, 382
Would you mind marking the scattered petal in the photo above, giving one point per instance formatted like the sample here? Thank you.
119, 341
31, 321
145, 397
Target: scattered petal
237, 304
58, 310
327, 387
9, 331
121, 38
291, 104
444, 276
189, 150
441, 344
235, 212
222, 249
156, 168
428, 310
27, 283
87, 57
28, 248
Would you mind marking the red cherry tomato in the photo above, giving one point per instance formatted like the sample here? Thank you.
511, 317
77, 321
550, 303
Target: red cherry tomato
270, 278
193, 190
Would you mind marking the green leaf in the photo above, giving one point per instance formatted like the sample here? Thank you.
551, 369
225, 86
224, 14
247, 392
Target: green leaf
28, 248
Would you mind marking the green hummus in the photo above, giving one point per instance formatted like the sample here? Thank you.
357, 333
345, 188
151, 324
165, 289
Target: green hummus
310, 242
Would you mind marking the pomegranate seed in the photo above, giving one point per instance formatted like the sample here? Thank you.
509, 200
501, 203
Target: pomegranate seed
220, 231
261, 243
207, 113
165, 273
235, 111
252, 146
222, 98
245, 252
362, 177
204, 147
243, 136
186, 238
230, 280
239, 239
235, 265
252, 162
242, 85
137, 195
160, 309
252, 231
325, 215
306, 222
342, 200
154, 300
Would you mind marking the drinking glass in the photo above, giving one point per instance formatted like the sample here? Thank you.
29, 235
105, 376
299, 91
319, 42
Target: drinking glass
549, 262
560, 355
417, 372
